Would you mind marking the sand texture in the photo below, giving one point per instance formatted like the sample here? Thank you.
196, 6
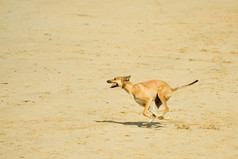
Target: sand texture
55, 58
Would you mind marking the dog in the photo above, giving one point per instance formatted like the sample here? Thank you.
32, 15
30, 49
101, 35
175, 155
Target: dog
146, 92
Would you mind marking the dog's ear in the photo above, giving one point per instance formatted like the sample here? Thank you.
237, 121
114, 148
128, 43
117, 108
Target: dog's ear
127, 78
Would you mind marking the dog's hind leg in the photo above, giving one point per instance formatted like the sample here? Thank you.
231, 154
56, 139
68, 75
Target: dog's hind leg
164, 95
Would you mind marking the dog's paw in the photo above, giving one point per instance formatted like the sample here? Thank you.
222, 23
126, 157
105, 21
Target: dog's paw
164, 117
160, 117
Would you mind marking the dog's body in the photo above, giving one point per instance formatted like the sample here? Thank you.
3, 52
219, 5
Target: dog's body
146, 92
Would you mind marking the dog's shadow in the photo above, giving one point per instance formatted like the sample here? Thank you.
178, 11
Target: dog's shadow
138, 124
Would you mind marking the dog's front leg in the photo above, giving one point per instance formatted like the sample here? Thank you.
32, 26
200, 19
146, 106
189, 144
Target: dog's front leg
147, 105
153, 113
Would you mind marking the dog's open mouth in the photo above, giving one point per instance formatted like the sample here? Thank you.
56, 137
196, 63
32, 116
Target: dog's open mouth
114, 85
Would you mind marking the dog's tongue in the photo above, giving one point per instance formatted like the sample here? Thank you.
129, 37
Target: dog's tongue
113, 85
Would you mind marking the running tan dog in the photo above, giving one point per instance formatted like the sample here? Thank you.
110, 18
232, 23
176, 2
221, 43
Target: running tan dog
146, 92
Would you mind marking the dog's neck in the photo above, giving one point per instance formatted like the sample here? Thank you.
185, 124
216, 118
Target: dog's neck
128, 87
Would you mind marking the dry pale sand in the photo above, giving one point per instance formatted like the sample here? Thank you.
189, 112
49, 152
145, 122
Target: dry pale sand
55, 58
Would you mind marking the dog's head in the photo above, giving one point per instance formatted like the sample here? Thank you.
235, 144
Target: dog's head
119, 81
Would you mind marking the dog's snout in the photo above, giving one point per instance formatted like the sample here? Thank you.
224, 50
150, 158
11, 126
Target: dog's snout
108, 81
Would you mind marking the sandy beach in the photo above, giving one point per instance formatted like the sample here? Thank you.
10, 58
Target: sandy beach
55, 59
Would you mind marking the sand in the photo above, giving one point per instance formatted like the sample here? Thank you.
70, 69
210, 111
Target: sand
55, 58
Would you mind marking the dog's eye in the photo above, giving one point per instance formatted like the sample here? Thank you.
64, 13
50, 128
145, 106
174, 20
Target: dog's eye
114, 79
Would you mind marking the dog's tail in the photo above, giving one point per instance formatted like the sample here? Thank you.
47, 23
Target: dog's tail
175, 89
